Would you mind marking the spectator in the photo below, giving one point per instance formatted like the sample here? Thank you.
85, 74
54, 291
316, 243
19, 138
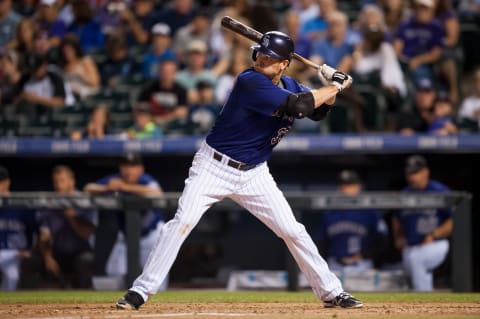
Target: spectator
8, 22
196, 70
352, 238
65, 12
144, 126
40, 89
48, 20
160, 50
396, 11
17, 228
98, 127
334, 49
23, 43
469, 113
302, 44
167, 98
64, 257
451, 53
239, 63
375, 62
419, 118
130, 181
469, 10
418, 41
203, 113
10, 75
305, 10
80, 70
25, 8
421, 234
118, 64
85, 27
316, 28
442, 123
178, 14
197, 30
146, 16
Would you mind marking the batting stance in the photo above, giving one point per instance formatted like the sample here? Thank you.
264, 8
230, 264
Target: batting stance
232, 163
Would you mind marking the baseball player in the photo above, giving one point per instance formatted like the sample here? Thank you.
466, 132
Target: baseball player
351, 236
421, 234
17, 229
232, 163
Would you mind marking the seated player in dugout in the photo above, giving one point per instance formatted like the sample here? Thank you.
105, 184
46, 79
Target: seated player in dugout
352, 238
232, 162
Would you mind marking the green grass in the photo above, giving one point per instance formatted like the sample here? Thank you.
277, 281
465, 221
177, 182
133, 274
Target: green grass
206, 296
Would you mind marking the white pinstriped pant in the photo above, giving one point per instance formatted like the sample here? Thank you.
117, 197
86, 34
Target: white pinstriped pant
210, 181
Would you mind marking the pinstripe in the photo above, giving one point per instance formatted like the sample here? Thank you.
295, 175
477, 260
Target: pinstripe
210, 181
264, 200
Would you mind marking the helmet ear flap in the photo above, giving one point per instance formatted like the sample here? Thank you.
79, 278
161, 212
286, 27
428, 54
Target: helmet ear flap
254, 55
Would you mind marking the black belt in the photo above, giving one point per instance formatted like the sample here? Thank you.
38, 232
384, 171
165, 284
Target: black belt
238, 165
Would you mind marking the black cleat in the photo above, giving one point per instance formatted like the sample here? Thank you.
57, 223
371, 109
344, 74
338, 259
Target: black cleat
344, 300
131, 301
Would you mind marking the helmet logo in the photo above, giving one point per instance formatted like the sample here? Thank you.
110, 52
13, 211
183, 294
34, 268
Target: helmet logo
265, 41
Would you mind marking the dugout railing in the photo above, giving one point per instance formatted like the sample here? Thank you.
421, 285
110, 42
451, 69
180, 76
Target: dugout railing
459, 202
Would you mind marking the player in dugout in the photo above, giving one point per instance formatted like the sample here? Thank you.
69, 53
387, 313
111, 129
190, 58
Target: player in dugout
232, 163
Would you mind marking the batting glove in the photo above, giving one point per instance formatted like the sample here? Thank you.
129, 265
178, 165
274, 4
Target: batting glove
327, 72
341, 80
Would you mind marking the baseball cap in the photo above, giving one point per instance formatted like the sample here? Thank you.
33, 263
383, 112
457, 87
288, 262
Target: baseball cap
48, 2
131, 159
3, 173
348, 176
424, 84
197, 46
426, 3
415, 163
161, 29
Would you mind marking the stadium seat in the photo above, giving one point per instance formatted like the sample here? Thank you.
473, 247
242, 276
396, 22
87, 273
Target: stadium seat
375, 109
339, 119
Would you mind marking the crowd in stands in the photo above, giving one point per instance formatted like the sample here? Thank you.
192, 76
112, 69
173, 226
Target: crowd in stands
153, 68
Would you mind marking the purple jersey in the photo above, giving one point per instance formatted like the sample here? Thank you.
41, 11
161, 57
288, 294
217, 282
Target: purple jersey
150, 218
419, 38
248, 127
16, 228
417, 223
349, 232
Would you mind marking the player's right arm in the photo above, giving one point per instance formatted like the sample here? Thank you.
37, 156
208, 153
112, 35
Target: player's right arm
94, 188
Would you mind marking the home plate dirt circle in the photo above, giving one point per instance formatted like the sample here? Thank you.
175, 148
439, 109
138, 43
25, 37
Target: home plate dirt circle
242, 310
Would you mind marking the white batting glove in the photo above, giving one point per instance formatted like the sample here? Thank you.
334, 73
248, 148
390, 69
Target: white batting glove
341, 80
326, 71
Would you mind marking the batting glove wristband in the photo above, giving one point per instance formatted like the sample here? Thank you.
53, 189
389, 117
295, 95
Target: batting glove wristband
341, 80
326, 72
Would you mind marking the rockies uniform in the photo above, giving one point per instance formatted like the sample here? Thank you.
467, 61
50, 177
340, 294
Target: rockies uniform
420, 259
16, 231
421, 233
348, 233
232, 163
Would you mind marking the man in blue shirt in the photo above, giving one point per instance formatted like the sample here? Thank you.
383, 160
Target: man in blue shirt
17, 228
64, 257
130, 181
261, 109
421, 234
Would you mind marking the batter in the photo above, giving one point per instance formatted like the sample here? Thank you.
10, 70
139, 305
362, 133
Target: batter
232, 163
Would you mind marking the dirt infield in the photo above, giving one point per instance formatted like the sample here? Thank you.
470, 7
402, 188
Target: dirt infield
243, 311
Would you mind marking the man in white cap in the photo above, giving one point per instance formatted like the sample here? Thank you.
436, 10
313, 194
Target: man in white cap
160, 50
